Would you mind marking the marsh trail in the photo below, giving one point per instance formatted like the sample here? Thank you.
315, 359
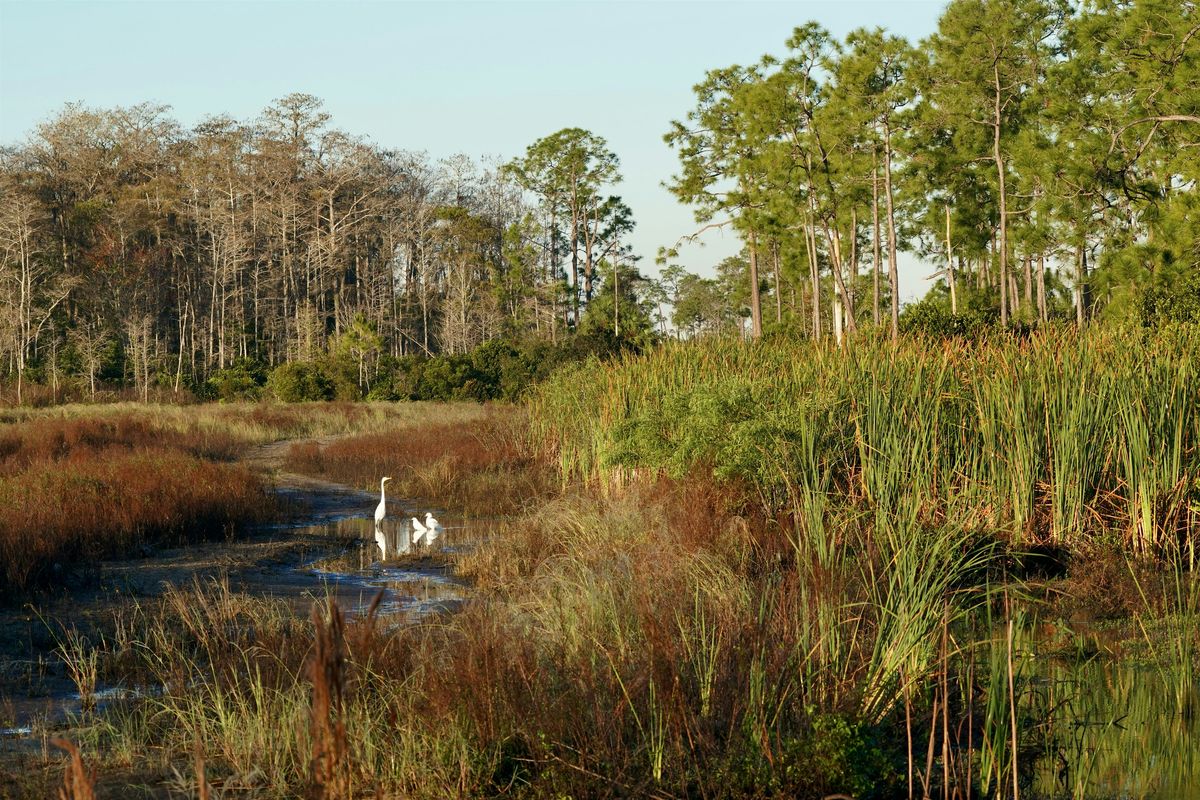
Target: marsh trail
323, 546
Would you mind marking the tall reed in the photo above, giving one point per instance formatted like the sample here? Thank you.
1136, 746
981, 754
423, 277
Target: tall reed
1054, 439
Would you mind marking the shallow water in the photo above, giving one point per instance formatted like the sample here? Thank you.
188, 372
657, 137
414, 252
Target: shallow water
1118, 729
376, 560
352, 563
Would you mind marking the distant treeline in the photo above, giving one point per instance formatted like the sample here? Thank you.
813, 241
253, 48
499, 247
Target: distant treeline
1043, 155
137, 254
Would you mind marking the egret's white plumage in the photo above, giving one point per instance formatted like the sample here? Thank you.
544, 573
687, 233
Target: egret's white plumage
433, 528
381, 540
419, 531
381, 509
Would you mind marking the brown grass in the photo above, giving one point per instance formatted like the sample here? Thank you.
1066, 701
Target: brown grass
78, 783
479, 466
256, 423
330, 765
49, 439
649, 642
74, 490
585, 654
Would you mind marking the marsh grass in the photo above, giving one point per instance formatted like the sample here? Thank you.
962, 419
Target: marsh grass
78, 483
254, 423
79, 782
767, 571
630, 650
667, 640
477, 464
1053, 440
74, 492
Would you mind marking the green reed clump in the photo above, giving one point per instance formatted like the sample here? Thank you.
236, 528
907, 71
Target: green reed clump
1053, 439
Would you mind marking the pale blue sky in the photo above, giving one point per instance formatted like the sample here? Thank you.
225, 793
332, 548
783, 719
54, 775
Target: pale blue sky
477, 78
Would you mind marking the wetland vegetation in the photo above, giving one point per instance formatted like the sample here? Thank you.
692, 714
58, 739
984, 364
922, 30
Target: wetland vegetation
766, 533
720, 585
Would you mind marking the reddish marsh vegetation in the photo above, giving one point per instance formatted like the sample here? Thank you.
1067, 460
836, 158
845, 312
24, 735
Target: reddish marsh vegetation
478, 466
633, 646
72, 490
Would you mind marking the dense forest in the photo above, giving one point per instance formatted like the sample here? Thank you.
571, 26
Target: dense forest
1040, 158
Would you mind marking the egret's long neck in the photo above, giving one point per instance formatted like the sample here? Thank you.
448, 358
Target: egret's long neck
382, 491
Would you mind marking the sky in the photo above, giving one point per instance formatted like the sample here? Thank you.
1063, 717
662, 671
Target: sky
480, 78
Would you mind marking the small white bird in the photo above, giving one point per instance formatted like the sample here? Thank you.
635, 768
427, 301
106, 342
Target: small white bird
419, 531
433, 528
381, 509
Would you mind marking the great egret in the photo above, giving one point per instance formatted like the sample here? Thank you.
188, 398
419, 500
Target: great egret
381, 509
419, 531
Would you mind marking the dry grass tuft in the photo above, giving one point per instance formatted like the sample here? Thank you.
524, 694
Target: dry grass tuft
109, 502
330, 765
78, 783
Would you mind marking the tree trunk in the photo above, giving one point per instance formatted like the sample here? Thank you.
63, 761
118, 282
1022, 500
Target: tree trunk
1041, 287
616, 303
1080, 280
838, 333
1029, 282
893, 273
950, 266
778, 282
999, 158
875, 236
834, 237
755, 300
853, 258
575, 256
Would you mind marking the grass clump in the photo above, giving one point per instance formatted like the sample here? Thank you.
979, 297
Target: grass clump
666, 641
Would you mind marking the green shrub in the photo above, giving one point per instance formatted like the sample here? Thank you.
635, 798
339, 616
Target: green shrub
243, 380
343, 377
443, 378
1175, 301
300, 381
931, 318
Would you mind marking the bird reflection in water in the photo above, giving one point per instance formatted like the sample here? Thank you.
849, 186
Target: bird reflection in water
392, 540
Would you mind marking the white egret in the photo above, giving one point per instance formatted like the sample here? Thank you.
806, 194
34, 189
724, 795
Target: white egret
419, 531
433, 528
381, 509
